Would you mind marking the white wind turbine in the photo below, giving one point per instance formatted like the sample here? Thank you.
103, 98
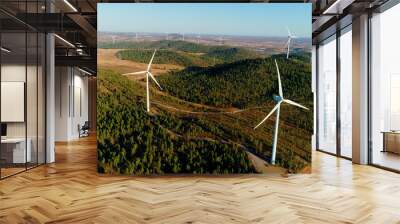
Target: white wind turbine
290, 37
279, 99
221, 40
148, 74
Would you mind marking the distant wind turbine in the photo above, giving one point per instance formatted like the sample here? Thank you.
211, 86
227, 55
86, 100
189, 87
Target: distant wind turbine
183, 36
148, 74
136, 37
290, 37
198, 39
221, 40
279, 99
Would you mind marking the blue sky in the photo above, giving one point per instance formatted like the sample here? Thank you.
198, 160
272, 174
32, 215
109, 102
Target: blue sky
254, 19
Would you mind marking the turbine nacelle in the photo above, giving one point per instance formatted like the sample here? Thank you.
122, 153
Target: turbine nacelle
277, 98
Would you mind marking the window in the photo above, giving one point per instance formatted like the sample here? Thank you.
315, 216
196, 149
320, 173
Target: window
346, 92
385, 89
327, 95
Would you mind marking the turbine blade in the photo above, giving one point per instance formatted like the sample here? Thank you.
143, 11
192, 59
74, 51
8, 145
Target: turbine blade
295, 104
279, 80
151, 60
136, 73
270, 113
154, 79
289, 33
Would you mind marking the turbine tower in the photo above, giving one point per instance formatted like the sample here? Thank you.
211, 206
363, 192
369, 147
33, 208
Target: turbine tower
279, 99
290, 37
148, 74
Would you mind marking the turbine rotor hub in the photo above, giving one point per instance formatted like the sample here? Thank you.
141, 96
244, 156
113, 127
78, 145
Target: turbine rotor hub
277, 98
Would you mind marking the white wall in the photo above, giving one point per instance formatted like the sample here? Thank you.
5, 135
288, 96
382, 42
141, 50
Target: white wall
33, 126
12, 73
70, 83
62, 82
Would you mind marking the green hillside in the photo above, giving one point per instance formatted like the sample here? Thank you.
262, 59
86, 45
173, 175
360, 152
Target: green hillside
241, 84
231, 54
182, 58
130, 141
164, 57
176, 45
180, 133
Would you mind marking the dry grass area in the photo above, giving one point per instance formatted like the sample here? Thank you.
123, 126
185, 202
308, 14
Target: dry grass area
107, 59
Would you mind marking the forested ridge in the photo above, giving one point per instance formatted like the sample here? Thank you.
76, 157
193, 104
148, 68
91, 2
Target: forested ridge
130, 141
177, 45
164, 57
242, 84
167, 56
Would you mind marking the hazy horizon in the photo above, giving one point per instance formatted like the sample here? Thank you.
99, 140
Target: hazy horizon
194, 34
247, 19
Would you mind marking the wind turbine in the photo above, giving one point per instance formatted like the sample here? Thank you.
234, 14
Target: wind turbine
290, 37
221, 40
148, 74
279, 99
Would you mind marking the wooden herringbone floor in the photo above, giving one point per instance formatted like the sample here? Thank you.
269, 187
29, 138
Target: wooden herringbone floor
70, 191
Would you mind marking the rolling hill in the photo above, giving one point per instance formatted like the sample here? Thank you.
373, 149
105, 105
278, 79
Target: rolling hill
232, 54
164, 57
176, 45
187, 59
184, 121
130, 141
242, 83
